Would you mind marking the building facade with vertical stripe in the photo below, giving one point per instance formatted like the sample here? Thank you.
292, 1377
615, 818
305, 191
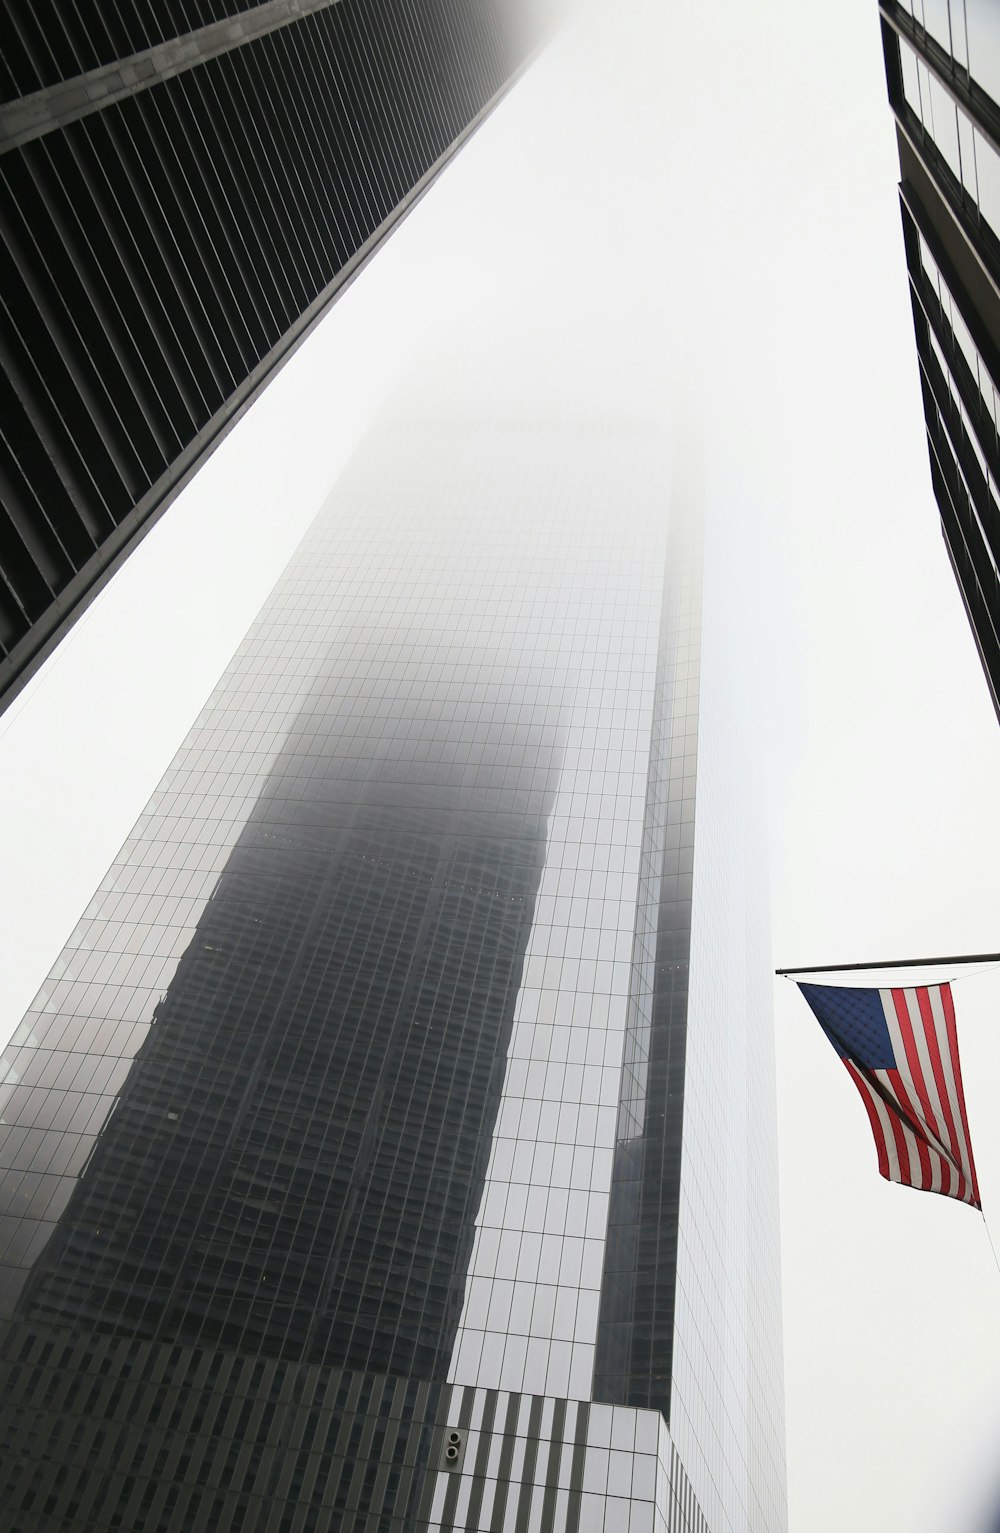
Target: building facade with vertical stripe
943, 70
185, 187
392, 1145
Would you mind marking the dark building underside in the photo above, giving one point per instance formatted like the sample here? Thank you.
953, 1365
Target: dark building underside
184, 190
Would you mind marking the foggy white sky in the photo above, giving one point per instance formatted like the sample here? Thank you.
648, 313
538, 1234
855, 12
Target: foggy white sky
729, 177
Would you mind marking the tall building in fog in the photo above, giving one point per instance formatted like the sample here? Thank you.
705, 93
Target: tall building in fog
392, 1146
185, 188
943, 69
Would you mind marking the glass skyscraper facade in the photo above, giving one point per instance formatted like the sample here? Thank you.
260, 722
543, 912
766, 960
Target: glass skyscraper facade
943, 69
185, 188
392, 1145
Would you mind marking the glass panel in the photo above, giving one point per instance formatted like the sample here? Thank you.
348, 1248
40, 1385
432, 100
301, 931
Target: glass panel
983, 22
911, 80
988, 173
968, 156
943, 122
937, 22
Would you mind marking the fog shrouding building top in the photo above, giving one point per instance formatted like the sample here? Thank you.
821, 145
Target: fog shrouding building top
185, 187
943, 69
392, 1145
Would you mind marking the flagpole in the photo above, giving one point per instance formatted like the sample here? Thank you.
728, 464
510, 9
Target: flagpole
891, 963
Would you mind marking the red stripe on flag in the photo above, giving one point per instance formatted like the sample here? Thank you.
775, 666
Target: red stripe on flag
902, 1148
873, 1117
911, 1111
926, 1117
913, 1059
949, 1015
950, 1138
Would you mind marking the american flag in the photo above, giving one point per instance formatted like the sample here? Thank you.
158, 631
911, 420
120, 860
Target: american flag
901, 1051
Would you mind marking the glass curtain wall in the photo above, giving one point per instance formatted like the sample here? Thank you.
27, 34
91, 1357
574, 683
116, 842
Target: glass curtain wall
312, 1144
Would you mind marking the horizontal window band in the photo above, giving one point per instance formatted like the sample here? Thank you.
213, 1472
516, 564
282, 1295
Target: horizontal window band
55, 106
953, 76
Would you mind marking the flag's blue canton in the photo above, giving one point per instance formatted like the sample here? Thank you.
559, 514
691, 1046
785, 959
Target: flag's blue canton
854, 1022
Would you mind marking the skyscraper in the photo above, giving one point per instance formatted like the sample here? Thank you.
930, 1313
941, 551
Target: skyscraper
943, 70
392, 1145
184, 191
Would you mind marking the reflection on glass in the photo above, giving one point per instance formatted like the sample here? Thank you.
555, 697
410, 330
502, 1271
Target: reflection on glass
319, 1137
981, 431
982, 18
298, 1153
636, 1332
969, 155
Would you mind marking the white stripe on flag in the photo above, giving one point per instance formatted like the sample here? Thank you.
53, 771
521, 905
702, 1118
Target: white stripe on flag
888, 1137
913, 1176
941, 1173
906, 1075
927, 1071
961, 1148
